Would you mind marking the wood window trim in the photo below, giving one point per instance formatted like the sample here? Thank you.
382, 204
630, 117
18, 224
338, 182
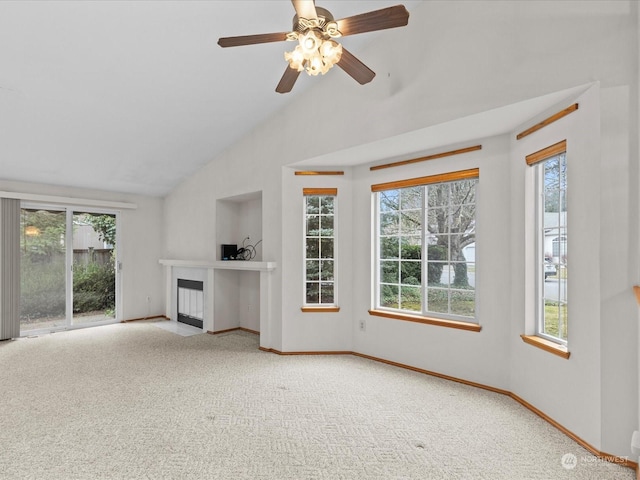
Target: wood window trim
472, 327
428, 157
315, 172
546, 153
328, 309
439, 178
320, 191
547, 121
547, 345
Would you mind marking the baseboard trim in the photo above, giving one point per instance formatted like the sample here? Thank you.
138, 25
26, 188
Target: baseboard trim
602, 455
587, 446
320, 352
218, 332
144, 318
433, 374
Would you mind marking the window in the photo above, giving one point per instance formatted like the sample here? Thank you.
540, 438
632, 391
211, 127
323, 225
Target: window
320, 249
425, 246
559, 246
551, 255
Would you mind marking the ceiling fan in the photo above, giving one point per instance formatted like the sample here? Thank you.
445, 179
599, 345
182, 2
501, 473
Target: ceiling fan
315, 29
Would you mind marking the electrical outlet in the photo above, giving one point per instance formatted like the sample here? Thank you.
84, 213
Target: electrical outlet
363, 325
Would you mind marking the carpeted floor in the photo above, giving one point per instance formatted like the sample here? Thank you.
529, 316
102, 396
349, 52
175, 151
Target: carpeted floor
131, 401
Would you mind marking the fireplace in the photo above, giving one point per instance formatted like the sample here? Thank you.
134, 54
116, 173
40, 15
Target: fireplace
227, 309
190, 302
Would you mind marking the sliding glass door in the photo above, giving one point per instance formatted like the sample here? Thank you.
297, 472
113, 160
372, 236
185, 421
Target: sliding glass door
43, 271
68, 268
94, 268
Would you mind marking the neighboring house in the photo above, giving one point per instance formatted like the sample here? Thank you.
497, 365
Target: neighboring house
469, 252
555, 243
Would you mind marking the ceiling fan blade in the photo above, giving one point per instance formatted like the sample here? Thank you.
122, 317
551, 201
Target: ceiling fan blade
252, 39
390, 17
354, 67
305, 8
288, 79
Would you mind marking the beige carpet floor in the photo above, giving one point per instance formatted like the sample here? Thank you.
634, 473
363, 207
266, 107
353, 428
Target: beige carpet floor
131, 401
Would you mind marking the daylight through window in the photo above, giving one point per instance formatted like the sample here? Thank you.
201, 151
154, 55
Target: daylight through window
426, 246
552, 247
320, 210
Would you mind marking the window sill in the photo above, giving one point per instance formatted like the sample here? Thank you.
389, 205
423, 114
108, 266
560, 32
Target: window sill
546, 345
473, 327
320, 309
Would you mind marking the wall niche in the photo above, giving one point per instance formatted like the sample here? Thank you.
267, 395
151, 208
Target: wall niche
237, 218
237, 293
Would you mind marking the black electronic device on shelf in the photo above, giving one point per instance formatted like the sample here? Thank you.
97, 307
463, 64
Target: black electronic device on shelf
246, 252
228, 252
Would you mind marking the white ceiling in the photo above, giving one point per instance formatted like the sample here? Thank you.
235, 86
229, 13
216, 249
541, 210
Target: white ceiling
465, 131
134, 96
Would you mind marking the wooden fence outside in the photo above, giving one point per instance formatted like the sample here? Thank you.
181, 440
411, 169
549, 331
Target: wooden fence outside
100, 256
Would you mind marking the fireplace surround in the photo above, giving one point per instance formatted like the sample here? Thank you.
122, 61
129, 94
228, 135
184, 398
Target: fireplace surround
213, 275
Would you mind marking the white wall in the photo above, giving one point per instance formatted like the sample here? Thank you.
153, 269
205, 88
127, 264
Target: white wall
248, 310
140, 247
316, 331
226, 300
453, 60
535, 373
619, 254
227, 215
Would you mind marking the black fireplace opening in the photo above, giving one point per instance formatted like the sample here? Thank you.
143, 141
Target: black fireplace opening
191, 302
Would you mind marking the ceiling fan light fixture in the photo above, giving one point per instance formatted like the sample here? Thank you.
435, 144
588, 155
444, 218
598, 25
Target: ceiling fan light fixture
314, 29
331, 52
310, 42
314, 54
295, 58
316, 65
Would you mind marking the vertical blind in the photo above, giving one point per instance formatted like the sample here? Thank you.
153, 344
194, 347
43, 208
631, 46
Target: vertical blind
9, 268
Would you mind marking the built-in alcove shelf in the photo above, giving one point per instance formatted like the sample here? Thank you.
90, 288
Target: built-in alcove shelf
220, 282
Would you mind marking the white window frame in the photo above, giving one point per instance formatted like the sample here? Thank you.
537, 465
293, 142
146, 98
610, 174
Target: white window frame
423, 182
561, 232
307, 194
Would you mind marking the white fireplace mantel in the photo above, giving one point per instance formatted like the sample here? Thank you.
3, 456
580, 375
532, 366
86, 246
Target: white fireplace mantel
223, 265
210, 266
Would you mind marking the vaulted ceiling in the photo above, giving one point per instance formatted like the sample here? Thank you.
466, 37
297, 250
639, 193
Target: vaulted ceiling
133, 96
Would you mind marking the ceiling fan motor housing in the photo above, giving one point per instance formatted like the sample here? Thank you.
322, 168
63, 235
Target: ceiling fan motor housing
323, 24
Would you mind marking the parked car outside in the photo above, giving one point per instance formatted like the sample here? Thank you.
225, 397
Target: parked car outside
549, 269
